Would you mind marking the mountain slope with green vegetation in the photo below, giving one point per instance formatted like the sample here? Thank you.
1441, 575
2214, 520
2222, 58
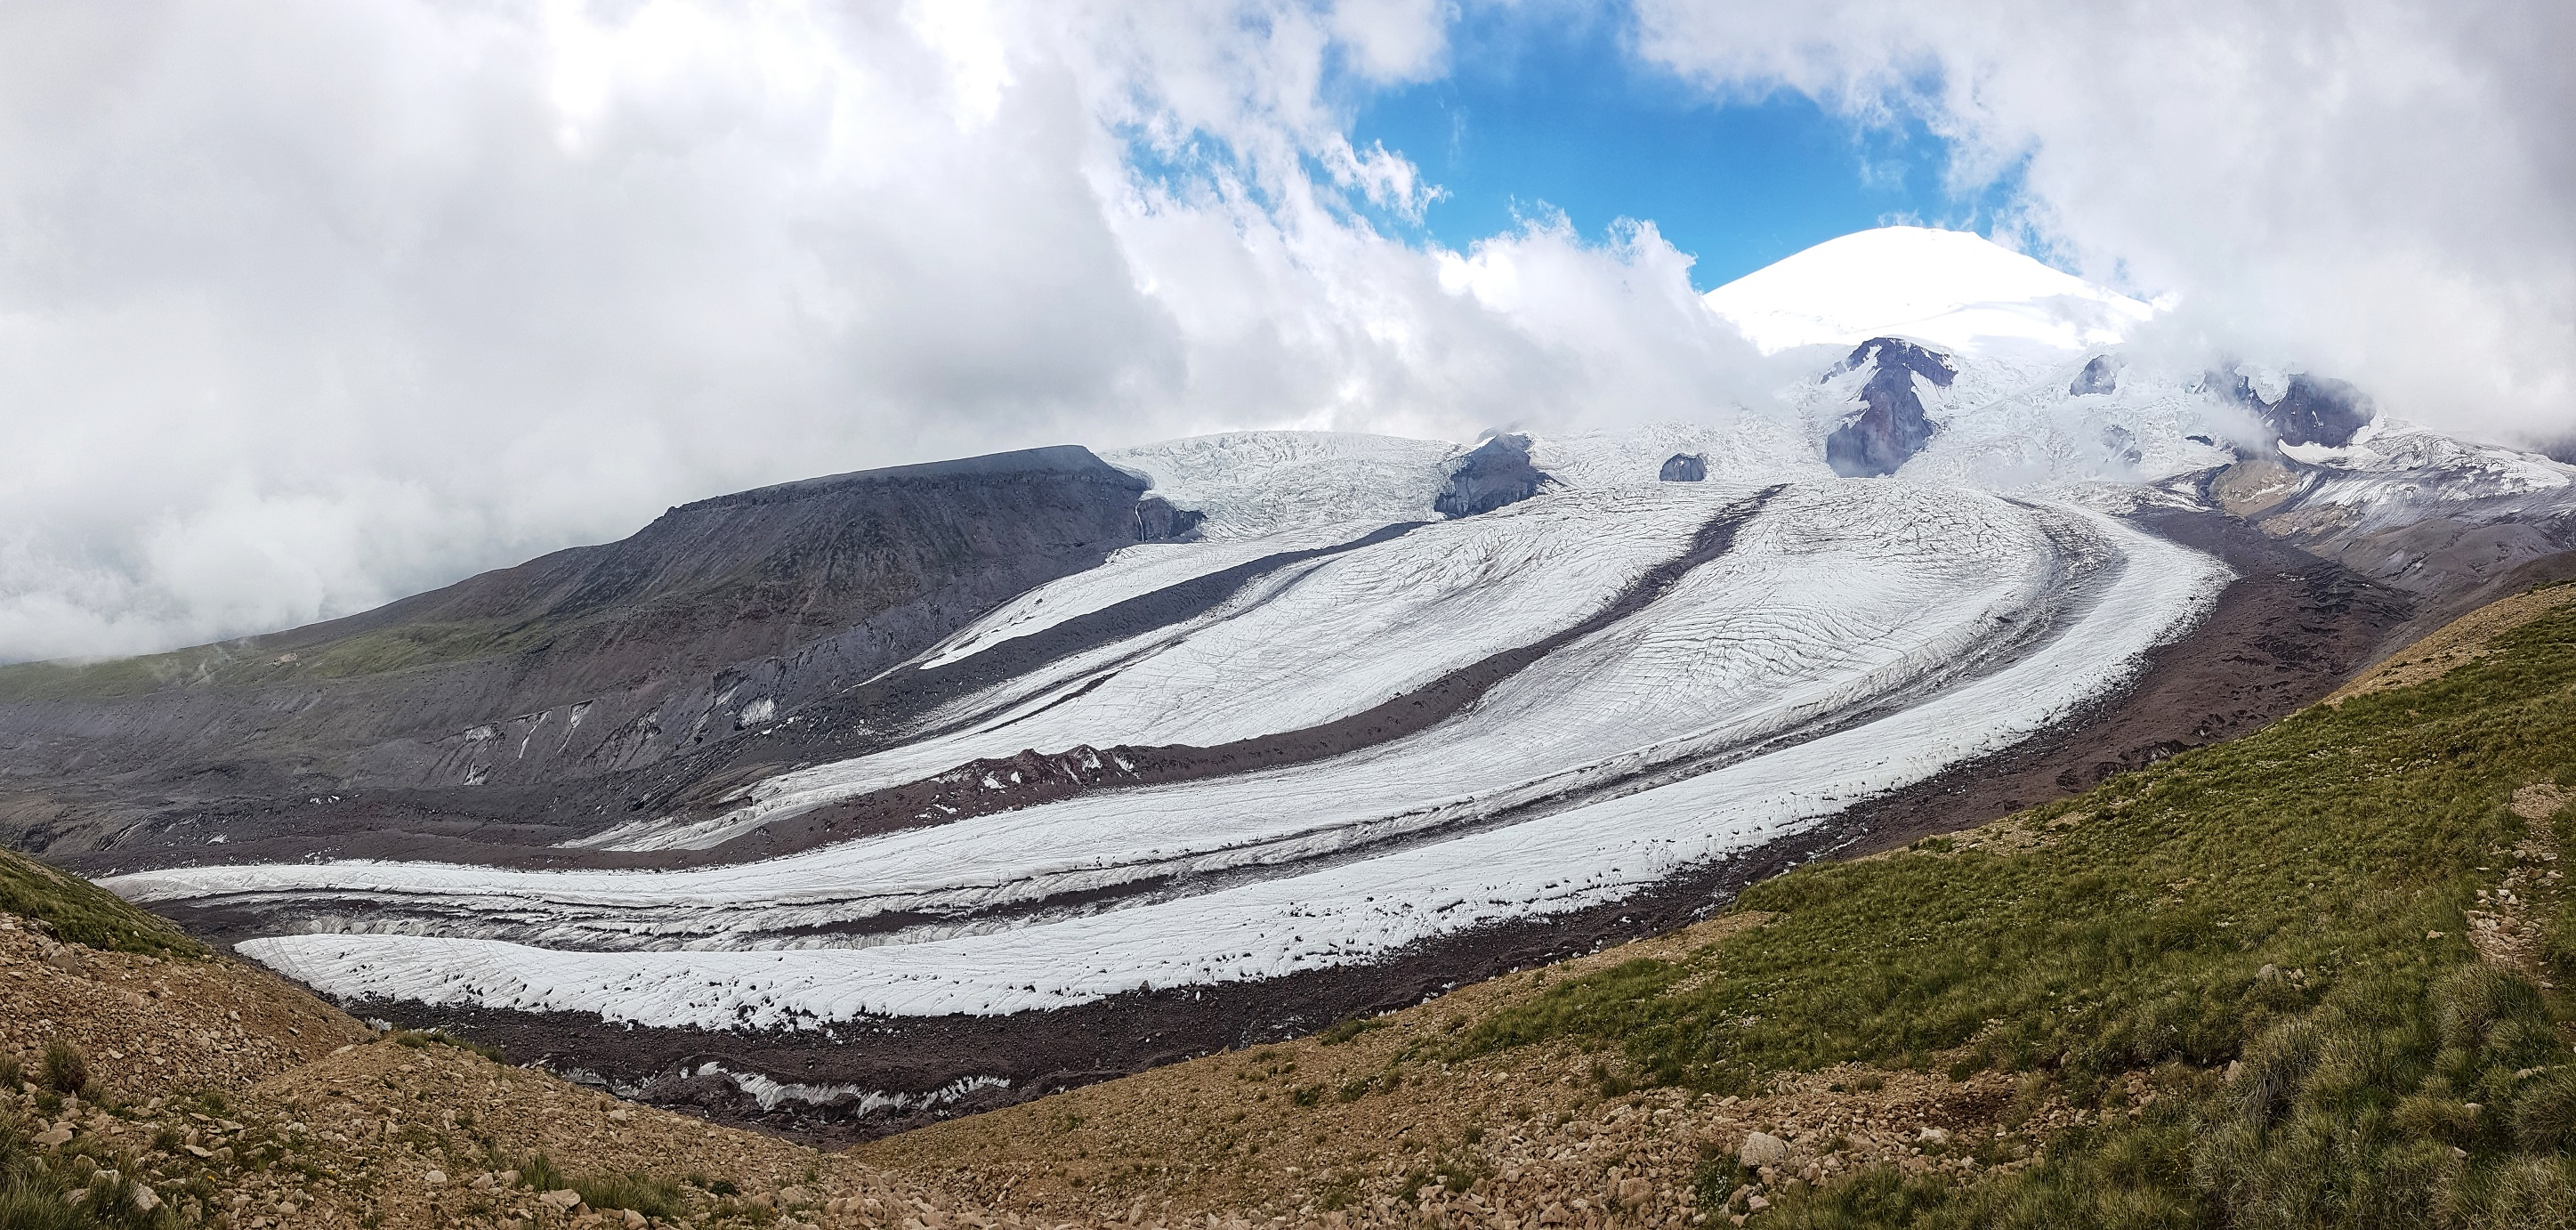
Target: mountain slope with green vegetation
79, 912
2306, 979
2332, 943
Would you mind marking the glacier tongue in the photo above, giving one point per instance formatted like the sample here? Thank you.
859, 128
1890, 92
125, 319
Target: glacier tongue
1855, 637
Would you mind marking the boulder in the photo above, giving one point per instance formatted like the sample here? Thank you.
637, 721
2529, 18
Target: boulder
1762, 1149
2101, 375
1495, 473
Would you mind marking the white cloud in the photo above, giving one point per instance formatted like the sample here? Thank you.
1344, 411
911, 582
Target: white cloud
2376, 188
308, 305
305, 306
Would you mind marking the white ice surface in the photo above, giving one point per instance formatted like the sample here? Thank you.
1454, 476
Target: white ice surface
1130, 572
1318, 640
1954, 289
1366, 478
1739, 449
1870, 592
1253, 484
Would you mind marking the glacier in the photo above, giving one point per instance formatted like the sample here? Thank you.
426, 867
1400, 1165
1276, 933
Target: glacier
1855, 637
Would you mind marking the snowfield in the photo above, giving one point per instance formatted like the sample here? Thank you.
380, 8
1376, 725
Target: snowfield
1952, 289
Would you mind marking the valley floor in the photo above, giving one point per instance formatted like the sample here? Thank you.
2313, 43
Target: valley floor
2308, 977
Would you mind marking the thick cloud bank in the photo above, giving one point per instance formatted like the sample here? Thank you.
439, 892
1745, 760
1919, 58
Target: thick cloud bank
2382, 189
304, 306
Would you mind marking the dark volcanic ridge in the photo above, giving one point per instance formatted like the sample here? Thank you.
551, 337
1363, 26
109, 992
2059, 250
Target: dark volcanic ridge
615, 658
849, 576
880, 713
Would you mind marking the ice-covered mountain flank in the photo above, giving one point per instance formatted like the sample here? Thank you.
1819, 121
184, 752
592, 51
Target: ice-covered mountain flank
1022, 769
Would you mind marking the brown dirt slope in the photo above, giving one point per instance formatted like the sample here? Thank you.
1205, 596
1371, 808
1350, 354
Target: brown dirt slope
1366, 1124
2460, 641
238, 1100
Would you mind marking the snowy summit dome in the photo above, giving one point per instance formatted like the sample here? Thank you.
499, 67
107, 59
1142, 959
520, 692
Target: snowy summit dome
1953, 289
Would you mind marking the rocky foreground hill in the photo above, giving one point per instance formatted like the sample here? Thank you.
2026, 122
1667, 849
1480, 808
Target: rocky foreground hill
2311, 976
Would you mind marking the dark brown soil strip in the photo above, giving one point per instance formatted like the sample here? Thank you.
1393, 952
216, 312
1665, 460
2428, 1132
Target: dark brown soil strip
2283, 635
2289, 630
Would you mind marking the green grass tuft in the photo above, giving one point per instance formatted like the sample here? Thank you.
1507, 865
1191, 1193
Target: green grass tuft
64, 1068
1345, 1030
80, 912
649, 1195
440, 1037
35, 1193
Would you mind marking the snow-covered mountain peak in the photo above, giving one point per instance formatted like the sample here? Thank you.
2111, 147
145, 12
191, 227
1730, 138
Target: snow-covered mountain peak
1955, 290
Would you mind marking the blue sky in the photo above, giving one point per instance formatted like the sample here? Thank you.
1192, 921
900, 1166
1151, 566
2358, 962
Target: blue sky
1548, 110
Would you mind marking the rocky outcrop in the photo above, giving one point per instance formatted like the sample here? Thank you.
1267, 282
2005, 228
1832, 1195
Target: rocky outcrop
2101, 375
1890, 427
1158, 521
2308, 410
1493, 474
1684, 468
2121, 445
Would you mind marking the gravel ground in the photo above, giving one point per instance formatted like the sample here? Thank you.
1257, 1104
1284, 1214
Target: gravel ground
239, 1100
1377, 1130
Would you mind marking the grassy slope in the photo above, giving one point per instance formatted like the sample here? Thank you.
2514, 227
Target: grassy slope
244, 663
2294, 898
83, 913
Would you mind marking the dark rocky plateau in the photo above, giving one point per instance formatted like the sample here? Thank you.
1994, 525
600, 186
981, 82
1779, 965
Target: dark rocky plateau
531, 704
